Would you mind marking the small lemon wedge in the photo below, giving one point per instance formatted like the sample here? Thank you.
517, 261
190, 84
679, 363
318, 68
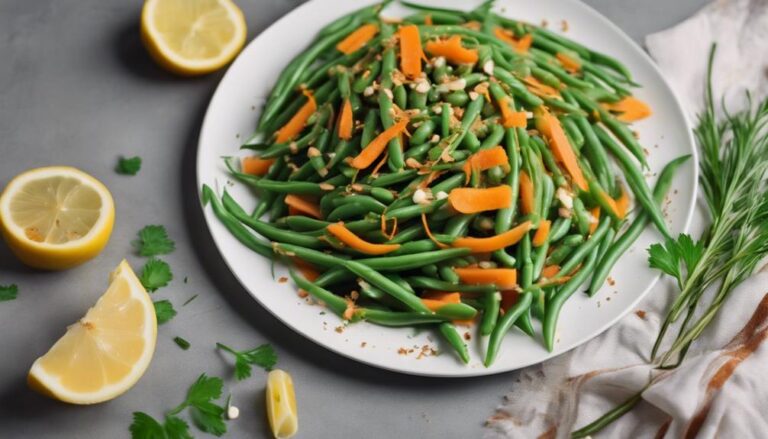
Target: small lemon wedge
281, 404
192, 37
105, 352
56, 217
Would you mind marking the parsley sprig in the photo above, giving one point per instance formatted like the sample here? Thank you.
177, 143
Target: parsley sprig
206, 415
263, 356
153, 240
8, 292
164, 311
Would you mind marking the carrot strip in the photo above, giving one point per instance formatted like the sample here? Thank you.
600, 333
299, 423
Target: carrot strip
256, 165
452, 50
474, 200
504, 278
518, 45
303, 206
550, 271
299, 120
307, 270
622, 203
539, 89
550, 126
384, 227
428, 20
346, 121
353, 241
611, 204
377, 145
630, 109
410, 51
442, 296
557, 281
540, 237
595, 211
486, 159
569, 63
429, 232
509, 117
527, 197
357, 39
496, 242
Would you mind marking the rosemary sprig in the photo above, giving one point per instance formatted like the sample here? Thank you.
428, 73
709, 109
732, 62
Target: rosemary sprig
734, 165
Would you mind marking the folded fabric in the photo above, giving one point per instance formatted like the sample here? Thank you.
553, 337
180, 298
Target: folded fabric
720, 390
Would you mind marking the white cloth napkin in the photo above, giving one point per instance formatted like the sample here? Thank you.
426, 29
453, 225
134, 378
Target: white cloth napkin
721, 390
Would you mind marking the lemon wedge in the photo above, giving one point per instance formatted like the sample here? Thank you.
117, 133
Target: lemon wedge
56, 217
192, 37
105, 352
281, 404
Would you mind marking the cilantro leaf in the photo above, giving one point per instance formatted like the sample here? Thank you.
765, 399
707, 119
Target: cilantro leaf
263, 356
665, 257
204, 389
176, 428
128, 165
691, 252
153, 240
209, 417
164, 311
146, 427
155, 274
181, 343
8, 292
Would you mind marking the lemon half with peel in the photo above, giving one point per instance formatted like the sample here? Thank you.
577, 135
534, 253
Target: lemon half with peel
192, 37
281, 404
104, 353
56, 217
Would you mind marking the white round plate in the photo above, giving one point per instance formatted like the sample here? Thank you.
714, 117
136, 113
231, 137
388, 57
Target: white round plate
232, 116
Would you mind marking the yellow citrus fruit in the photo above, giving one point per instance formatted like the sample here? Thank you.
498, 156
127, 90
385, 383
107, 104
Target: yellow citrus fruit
192, 37
104, 353
56, 217
281, 404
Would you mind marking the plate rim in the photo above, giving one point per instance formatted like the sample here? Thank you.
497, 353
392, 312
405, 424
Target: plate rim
468, 371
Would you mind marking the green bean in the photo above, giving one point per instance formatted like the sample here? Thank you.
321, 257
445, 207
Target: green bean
607, 79
595, 154
431, 283
335, 303
448, 275
394, 147
369, 127
504, 324
582, 217
525, 263
234, 226
408, 262
470, 141
408, 234
400, 96
470, 114
278, 208
518, 88
575, 258
445, 120
418, 246
385, 180
559, 229
423, 132
569, 124
493, 138
430, 270
621, 245
554, 305
382, 195
451, 335
490, 313
394, 318
387, 285
348, 210
457, 98
367, 77
458, 225
559, 254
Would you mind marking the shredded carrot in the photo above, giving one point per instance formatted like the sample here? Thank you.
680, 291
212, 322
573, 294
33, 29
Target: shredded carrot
429, 232
349, 311
630, 109
540, 237
508, 299
474, 200
612, 204
550, 126
504, 278
299, 120
569, 63
550, 271
377, 168
509, 117
520, 45
410, 51
486, 159
377, 145
428, 20
527, 197
595, 211
346, 121
307, 270
622, 203
452, 50
353, 241
496, 242
256, 165
538, 88
357, 39
442, 296
304, 205
384, 227
557, 281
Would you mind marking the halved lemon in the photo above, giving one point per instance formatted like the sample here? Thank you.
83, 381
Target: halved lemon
56, 217
105, 352
192, 37
281, 404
